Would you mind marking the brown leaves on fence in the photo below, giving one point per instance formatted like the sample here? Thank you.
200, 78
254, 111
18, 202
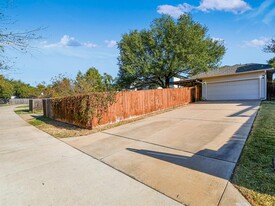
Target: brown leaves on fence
100, 108
80, 110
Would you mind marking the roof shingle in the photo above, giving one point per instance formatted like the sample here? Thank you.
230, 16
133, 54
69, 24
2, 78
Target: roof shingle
228, 70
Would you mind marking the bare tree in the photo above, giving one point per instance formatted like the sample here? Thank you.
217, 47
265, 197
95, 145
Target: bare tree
15, 40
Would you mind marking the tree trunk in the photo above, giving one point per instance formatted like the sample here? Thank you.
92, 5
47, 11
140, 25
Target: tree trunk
167, 82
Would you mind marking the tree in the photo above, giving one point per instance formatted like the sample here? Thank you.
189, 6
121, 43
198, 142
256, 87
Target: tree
16, 88
168, 49
15, 40
6, 88
270, 48
91, 81
109, 84
60, 86
23, 90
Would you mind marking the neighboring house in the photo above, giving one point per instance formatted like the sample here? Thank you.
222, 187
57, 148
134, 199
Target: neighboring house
238, 82
172, 80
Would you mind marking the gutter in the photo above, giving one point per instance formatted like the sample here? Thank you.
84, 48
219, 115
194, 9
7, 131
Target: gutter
257, 71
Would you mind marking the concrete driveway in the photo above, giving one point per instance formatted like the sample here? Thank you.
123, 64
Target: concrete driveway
187, 154
37, 169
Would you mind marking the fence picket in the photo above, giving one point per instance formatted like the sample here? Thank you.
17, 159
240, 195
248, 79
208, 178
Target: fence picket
129, 104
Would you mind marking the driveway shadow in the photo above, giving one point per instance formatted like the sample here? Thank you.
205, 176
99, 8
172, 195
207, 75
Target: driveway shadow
230, 153
219, 163
194, 162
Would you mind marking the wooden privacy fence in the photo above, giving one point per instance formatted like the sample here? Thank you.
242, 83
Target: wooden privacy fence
35, 105
128, 104
19, 101
135, 103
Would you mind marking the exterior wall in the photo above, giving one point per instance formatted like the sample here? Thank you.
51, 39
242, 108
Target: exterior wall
261, 76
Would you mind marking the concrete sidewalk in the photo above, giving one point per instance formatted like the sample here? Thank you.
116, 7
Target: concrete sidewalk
37, 169
188, 153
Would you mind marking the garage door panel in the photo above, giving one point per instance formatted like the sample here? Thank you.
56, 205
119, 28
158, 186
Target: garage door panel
234, 90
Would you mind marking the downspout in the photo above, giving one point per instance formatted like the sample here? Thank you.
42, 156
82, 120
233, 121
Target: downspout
265, 85
202, 83
260, 87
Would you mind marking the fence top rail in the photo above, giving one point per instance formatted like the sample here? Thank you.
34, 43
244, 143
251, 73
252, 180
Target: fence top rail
125, 91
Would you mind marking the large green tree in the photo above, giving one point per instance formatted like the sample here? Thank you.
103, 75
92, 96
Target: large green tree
16, 88
93, 81
6, 88
151, 57
270, 48
23, 90
60, 86
88, 82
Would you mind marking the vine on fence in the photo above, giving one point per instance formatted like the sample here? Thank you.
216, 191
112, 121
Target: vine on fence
82, 109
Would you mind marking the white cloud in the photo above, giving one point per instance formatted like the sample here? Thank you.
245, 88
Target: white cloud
265, 12
67, 41
234, 6
269, 17
260, 42
261, 9
110, 43
217, 39
174, 11
89, 45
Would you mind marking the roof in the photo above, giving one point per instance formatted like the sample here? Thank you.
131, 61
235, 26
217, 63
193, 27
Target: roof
186, 81
229, 70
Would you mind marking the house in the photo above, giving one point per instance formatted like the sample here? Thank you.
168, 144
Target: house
172, 80
238, 82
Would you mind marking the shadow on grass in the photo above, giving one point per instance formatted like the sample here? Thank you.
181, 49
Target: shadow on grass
22, 111
40, 119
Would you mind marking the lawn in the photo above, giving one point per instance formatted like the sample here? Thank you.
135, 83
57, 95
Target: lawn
62, 130
3, 105
50, 126
24, 109
254, 175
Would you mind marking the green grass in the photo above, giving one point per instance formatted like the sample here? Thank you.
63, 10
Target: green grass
3, 105
39, 121
22, 106
24, 109
254, 175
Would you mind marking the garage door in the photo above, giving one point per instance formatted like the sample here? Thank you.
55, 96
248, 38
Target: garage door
235, 90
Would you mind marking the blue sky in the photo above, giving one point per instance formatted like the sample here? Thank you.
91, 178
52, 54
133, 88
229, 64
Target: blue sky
83, 33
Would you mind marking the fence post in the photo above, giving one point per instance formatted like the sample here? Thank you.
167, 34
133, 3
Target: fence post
47, 108
31, 105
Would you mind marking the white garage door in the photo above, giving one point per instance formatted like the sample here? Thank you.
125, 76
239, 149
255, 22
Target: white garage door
235, 90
